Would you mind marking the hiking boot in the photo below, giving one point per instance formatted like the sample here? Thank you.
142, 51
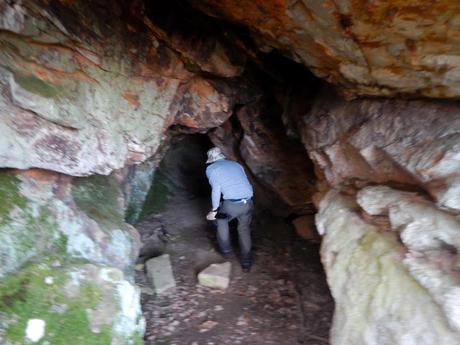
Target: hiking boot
226, 256
246, 268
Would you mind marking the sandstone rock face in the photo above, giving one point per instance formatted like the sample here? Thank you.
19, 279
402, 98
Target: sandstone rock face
88, 88
391, 253
414, 143
380, 49
385, 292
47, 211
49, 224
83, 92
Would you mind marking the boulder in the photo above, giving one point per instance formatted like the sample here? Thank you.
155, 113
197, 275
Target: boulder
160, 274
216, 276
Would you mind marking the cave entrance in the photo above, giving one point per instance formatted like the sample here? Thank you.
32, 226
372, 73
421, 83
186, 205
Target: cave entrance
283, 300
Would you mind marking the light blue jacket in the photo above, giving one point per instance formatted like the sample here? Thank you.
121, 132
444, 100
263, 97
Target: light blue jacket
227, 178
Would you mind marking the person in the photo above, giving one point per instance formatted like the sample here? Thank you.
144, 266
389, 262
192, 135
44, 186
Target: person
228, 179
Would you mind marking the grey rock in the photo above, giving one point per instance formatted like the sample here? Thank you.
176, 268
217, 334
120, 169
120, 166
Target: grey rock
160, 274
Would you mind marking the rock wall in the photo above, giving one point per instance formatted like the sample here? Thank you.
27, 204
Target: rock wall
385, 48
388, 214
86, 90
66, 258
90, 93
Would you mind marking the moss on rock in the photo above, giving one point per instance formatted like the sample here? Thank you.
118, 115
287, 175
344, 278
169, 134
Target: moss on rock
35, 85
10, 195
157, 197
26, 228
98, 197
38, 291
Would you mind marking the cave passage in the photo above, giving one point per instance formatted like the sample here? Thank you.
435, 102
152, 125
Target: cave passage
283, 300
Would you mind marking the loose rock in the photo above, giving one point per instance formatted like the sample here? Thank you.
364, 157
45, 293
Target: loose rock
216, 276
160, 273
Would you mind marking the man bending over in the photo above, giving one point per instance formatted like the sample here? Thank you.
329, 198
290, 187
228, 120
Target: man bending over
227, 178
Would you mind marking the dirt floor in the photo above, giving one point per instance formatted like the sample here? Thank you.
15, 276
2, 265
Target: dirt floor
283, 300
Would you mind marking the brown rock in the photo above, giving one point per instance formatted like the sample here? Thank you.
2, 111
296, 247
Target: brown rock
305, 228
201, 106
379, 49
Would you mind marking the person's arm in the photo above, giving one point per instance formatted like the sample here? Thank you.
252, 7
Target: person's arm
216, 190
215, 196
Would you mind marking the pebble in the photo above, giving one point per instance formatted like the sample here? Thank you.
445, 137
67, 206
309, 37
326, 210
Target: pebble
207, 326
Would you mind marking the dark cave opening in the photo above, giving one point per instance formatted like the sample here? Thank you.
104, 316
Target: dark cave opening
273, 94
285, 294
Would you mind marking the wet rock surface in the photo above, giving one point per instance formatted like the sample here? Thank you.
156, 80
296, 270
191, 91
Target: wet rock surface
283, 300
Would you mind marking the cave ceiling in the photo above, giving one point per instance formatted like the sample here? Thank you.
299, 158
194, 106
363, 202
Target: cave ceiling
366, 48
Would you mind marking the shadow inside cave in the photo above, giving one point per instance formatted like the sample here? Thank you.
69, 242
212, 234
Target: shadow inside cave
283, 300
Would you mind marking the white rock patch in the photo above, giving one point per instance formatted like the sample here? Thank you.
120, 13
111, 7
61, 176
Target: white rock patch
35, 330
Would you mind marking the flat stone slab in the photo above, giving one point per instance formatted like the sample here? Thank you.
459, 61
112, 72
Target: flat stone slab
216, 276
160, 274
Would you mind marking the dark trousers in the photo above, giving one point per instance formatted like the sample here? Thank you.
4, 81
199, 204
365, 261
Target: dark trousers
243, 213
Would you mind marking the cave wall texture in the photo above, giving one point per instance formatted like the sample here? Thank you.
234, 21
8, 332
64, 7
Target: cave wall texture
92, 92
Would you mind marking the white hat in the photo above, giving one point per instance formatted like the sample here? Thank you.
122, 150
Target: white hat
214, 154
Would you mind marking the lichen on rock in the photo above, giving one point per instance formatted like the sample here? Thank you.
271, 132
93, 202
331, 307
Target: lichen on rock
68, 304
378, 301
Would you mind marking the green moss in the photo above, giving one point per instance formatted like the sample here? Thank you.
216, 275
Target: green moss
9, 195
61, 243
36, 85
138, 340
192, 67
132, 213
157, 197
26, 295
98, 196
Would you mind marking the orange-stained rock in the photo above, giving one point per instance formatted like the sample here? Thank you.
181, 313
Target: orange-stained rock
411, 143
84, 90
201, 106
379, 48
305, 227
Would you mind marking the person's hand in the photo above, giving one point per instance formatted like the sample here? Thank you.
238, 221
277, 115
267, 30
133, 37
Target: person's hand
211, 215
